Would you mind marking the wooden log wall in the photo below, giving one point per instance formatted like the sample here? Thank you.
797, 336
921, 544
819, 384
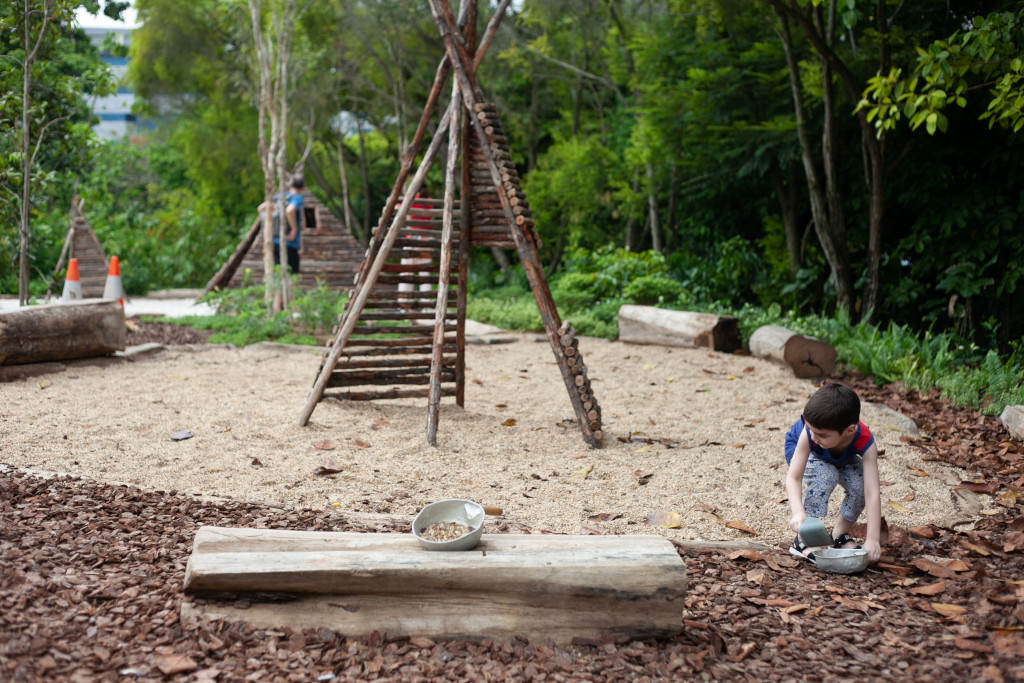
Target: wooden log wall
388, 353
92, 262
329, 252
489, 225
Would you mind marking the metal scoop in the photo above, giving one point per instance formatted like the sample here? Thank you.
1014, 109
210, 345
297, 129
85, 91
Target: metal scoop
814, 534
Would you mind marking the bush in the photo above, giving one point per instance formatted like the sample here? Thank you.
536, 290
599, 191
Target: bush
653, 289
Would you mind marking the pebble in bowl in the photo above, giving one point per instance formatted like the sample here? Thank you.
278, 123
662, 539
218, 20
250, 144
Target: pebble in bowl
453, 524
841, 560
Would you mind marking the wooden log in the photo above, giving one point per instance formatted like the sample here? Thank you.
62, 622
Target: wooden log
341, 379
386, 394
805, 356
345, 364
546, 588
61, 332
649, 325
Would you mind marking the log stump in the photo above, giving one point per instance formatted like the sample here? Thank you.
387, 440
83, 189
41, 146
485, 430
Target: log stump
649, 325
61, 332
805, 356
547, 588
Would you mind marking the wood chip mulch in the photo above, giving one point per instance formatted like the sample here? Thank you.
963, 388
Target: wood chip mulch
91, 576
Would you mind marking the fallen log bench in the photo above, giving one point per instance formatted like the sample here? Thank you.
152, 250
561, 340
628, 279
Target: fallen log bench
805, 356
650, 325
65, 331
548, 588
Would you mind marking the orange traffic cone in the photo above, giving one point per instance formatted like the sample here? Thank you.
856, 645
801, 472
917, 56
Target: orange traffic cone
72, 285
113, 289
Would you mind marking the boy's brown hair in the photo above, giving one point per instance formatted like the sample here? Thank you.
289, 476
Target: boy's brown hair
834, 407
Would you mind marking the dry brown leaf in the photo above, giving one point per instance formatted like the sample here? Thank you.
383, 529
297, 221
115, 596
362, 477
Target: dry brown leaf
918, 472
381, 422
740, 526
735, 445
897, 507
796, 608
325, 445
934, 568
171, 664
666, 520
360, 443
492, 511
604, 517
747, 554
850, 603
760, 577
930, 589
909, 497
897, 569
509, 422
925, 531
328, 468
948, 610
972, 646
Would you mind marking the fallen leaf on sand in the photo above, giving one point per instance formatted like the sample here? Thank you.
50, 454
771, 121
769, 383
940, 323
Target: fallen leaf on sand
45, 383
256, 462
897, 507
328, 468
325, 445
360, 443
604, 517
509, 422
382, 422
934, 568
740, 526
583, 473
666, 520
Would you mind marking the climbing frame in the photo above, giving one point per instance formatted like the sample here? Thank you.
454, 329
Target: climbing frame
385, 337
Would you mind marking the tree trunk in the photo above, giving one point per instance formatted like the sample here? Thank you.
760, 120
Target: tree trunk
834, 249
785, 192
365, 172
649, 325
652, 207
344, 193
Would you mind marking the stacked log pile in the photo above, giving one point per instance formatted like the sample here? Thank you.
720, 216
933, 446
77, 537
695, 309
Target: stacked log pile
490, 226
581, 382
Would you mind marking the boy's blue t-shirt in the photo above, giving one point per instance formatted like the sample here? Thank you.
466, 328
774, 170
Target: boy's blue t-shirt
862, 440
293, 199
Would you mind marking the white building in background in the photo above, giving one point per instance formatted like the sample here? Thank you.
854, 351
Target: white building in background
114, 112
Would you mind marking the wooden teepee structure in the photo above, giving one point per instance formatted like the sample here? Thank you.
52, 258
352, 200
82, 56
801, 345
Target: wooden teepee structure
371, 347
81, 243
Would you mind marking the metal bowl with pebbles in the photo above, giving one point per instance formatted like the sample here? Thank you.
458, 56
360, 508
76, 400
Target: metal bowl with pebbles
453, 524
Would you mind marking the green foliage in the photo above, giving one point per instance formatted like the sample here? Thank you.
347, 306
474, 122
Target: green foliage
243, 316
990, 386
653, 289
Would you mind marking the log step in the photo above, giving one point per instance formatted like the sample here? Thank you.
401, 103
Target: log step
548, 588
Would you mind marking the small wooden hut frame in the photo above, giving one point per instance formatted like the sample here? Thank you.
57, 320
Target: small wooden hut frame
81, 243
329, 252
422, 242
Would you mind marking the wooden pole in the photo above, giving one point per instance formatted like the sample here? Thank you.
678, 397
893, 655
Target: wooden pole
527, 252
465, 228
440, 76
351, 316
437, 356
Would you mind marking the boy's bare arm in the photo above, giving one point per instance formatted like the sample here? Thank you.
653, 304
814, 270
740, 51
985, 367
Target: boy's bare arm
794, 482
292, 226
872, 503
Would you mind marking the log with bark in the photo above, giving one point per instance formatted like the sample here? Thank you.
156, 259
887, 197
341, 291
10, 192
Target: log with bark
805, 356
649, 325
61, 332
542, 587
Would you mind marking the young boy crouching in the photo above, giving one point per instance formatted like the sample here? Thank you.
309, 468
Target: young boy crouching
830, 446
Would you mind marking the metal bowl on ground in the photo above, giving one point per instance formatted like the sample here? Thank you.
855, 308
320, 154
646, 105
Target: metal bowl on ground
841, 560
456, 510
